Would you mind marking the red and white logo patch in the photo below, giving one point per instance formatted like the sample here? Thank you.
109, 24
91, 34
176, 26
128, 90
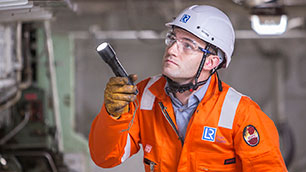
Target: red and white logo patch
251, 135
148, 148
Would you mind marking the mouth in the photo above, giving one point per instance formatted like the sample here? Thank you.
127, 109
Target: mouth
170, 62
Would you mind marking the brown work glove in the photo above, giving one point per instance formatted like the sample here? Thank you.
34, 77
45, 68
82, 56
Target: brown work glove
118, 94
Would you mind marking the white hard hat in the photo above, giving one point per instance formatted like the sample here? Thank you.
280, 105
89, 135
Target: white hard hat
209, 24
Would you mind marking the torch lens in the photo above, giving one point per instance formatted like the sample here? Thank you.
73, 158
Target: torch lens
102, 46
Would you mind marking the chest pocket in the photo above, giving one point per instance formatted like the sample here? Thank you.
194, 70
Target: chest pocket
151, 158
215, 162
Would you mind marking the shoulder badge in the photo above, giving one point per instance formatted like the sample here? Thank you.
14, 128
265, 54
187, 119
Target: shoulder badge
251, 135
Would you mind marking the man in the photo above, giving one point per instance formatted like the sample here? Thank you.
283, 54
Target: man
187, 119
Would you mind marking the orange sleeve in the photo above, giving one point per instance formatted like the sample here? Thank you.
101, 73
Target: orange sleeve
108, 138
110, 143
256, 139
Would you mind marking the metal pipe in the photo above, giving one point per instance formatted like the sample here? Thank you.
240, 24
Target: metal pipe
6, 83
39, 153
53, 82
27, 70
287, 140
18, 68
16, 130
11, 102
19, 63
10, 92
280, 91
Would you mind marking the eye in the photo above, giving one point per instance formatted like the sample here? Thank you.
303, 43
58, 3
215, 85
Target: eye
171, 36
170, 39
187, 45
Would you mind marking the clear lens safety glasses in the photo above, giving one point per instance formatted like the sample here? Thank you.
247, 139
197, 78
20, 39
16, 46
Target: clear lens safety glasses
185, 45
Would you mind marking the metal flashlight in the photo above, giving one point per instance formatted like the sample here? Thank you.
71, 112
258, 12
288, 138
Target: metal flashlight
108, 54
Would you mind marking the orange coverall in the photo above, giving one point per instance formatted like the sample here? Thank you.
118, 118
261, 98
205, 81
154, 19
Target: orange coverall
228, 132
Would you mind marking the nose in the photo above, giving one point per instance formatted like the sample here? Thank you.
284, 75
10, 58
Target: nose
173, 49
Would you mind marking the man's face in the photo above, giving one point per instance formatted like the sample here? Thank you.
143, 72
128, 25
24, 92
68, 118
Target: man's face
178, 64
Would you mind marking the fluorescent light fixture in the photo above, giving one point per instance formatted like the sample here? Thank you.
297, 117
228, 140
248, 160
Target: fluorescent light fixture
10, 3
269, 24
36, 13
17, 7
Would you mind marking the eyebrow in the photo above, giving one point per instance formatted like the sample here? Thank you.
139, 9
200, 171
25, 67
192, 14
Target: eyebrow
193, 41
188, 39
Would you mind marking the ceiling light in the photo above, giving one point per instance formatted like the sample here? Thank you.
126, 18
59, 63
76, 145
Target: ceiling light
9, 3
269, 20
269, 25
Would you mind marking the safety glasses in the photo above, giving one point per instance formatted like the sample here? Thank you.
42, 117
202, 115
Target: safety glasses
185, 45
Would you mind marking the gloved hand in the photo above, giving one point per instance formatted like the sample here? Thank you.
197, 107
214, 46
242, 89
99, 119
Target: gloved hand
118, 94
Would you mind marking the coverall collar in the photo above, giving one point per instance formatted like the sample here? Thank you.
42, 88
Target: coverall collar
157, 89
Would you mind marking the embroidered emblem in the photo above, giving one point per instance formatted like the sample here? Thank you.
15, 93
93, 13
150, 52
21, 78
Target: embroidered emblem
148, 148
251, 135
209, 134
185, 18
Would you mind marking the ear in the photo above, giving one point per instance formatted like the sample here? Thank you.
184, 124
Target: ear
211, 62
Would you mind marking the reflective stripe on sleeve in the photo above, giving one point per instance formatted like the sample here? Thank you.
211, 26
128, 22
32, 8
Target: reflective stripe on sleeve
229, 108
147, 99
127, 149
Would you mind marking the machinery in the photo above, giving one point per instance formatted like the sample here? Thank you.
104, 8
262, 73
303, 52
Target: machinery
31, 134
28, 138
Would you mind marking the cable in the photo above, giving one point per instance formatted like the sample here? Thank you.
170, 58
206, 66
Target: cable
19, 127
134, 113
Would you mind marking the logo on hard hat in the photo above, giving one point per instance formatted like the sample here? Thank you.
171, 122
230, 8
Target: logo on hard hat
250, 135
185, 18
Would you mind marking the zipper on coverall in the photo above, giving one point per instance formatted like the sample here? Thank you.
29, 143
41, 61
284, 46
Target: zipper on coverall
167, 116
